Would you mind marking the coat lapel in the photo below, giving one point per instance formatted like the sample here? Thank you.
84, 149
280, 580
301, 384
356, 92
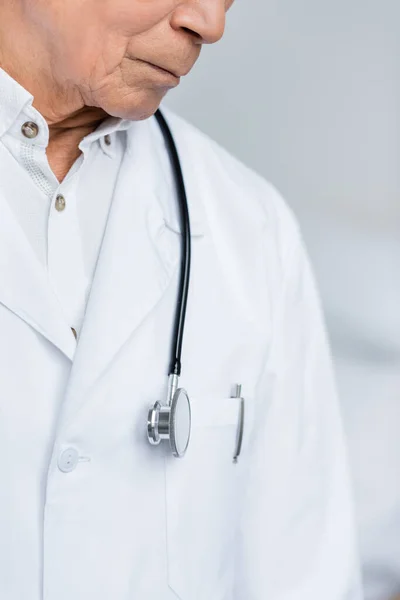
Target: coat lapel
139, 256
24, 288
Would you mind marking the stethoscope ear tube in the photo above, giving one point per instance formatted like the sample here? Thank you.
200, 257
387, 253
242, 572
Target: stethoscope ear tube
172, 421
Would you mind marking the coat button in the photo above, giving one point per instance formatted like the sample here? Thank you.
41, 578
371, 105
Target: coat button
30, 129
68, 460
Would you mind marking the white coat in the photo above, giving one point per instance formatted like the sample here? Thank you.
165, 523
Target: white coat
88, 509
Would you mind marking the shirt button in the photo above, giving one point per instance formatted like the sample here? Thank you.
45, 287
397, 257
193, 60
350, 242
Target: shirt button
68, 460
30, 129
60, 203
107, 140
74, 332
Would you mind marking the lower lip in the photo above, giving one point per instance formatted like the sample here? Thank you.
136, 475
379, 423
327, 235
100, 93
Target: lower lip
165, 74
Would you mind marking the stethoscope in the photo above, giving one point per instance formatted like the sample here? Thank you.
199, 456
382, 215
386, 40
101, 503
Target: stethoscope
172, 421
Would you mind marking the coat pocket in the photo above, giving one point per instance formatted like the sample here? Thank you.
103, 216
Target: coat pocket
202, 500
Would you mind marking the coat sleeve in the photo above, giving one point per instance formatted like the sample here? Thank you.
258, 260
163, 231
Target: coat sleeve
297, 536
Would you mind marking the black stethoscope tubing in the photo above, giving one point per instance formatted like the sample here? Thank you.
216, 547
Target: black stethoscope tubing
180, 315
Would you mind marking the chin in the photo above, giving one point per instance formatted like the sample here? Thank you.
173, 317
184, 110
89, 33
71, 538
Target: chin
137, 106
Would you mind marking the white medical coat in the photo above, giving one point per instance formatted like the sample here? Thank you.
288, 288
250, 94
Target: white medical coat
88, 509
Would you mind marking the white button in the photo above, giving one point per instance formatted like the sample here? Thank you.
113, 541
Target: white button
30, 129
68, 460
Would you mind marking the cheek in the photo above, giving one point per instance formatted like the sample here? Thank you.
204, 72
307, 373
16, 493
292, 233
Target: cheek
91, 55
97, 47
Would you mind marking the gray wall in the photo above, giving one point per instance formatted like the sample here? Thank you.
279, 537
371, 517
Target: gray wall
307, 93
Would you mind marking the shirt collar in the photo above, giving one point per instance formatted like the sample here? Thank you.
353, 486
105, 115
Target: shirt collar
13, 100
16, 101
103, 134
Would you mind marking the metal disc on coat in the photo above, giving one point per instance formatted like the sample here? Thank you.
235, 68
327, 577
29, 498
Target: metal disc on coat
180, 423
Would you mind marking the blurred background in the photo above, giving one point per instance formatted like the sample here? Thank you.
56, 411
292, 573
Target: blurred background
307, 93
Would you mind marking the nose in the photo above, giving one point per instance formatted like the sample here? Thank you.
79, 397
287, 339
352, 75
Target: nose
204, 19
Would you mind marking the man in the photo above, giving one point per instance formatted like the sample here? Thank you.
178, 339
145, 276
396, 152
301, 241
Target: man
89, 271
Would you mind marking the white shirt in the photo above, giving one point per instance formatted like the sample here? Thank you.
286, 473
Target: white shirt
66, 241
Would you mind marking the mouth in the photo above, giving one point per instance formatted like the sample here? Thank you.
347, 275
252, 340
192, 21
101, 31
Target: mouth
161, 70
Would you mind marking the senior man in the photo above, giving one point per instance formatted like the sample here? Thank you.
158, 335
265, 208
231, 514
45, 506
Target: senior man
90, 251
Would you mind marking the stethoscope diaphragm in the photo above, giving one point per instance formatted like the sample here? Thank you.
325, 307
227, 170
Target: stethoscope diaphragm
171, 422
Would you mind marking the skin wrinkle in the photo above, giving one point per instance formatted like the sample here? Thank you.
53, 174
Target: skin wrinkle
82, 60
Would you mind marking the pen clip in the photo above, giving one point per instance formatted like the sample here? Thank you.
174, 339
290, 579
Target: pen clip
240, 427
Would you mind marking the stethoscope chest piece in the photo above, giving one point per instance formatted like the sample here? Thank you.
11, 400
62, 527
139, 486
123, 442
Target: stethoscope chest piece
171, 422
